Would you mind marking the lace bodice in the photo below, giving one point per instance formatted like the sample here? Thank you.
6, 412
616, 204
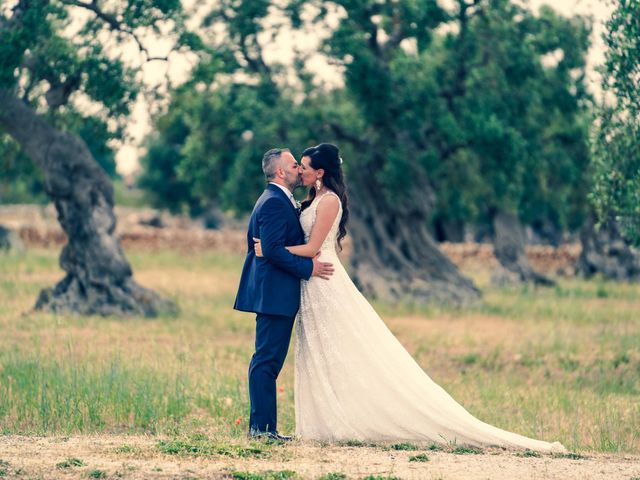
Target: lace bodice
308, 218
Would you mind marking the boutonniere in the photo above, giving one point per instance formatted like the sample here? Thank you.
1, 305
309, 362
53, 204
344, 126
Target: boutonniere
298, 205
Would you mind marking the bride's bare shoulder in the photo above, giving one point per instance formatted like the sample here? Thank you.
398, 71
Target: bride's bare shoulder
329, 198
328, 206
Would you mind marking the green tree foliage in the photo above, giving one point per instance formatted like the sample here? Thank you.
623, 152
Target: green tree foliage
616, 142
49, 67
474, 114
528, 126
446, 113
207, 145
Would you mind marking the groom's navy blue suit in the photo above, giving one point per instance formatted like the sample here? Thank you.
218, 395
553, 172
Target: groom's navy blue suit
270, 287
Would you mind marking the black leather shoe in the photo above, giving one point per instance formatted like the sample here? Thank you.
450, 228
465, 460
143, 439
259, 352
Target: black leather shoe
273, 436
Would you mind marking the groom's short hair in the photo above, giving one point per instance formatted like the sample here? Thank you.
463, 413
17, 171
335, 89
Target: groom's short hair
270, 162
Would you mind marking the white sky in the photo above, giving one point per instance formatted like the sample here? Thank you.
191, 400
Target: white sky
178, 66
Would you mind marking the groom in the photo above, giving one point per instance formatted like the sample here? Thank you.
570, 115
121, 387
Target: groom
270, 286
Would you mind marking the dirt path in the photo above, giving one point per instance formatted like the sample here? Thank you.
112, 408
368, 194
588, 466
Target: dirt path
140, 458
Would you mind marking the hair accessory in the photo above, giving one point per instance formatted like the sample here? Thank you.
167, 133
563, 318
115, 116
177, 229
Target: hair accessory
340, 160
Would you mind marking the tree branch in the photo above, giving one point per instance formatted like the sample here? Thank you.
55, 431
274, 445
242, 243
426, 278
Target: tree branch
115, 25
463, 66
399, 33
258, 65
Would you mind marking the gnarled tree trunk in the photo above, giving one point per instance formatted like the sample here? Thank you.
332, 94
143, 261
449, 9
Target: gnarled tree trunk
606, 252
509, 241
395, 257
98, 276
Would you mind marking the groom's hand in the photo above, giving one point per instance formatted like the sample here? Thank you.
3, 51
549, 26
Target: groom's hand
321, 269
257, 247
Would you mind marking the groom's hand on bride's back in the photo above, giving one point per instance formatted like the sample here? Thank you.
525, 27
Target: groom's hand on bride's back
321, 269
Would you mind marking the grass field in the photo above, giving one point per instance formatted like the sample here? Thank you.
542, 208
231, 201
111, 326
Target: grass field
557, 364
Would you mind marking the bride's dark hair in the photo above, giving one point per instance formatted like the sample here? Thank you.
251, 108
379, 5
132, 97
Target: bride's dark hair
327, 157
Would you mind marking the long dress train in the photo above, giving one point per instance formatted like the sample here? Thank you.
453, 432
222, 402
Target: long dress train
355, 381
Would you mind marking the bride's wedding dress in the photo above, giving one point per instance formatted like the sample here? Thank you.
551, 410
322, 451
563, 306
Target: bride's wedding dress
355, 381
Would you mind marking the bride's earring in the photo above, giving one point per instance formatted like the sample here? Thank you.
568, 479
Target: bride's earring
318, 184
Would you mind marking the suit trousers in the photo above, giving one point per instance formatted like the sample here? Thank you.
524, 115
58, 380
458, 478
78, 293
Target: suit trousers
273, 335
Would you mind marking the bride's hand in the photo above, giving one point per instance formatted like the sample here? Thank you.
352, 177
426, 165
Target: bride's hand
257, 247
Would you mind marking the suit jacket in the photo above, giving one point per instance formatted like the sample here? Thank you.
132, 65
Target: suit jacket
271, 284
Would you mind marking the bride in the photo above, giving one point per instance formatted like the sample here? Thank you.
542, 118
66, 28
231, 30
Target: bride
353, 378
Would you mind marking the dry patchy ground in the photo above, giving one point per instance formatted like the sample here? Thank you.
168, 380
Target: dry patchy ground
138, 457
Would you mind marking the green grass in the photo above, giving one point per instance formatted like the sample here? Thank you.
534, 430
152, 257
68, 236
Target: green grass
560, 363
268, 475
358, 443
127, 449
97, 474
462, 450
404, 446
62, 395
204, 447
378, 477
421, 457
70, 463
528, 453
570, 456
